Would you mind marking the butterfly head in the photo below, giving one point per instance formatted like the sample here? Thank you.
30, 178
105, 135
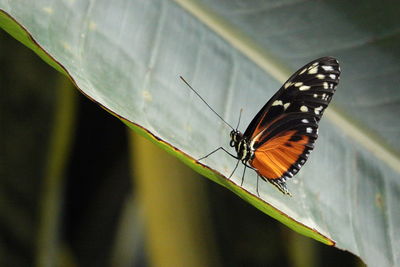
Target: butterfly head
236, 137
242, 146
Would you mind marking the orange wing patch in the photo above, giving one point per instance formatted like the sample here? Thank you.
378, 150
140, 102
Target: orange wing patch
277, 155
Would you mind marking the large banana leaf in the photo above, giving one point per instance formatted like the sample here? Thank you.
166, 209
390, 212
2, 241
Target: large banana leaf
128, 55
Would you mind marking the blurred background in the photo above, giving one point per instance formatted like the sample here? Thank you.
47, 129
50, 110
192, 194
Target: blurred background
78, 188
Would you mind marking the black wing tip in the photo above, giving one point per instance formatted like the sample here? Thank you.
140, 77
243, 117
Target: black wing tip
327, 58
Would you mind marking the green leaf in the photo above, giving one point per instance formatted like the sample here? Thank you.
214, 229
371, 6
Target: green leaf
128, 55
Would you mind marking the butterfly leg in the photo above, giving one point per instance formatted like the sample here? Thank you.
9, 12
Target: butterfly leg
237, 163
215, 150
244, 171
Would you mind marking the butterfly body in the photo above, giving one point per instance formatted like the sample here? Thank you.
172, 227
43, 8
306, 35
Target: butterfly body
242, 146
277, 142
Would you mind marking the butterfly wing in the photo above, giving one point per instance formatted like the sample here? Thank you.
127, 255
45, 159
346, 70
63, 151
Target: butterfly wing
283, 132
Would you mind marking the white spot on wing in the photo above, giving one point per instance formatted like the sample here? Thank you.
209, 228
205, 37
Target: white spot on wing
304, 70
303, 109
313, 70
305, 121
318, 110
332, 76
277, 103
309, 130
327, 68
325, 84
286, 105
315, 95
320, 76
287, 85
298, 84
304, 88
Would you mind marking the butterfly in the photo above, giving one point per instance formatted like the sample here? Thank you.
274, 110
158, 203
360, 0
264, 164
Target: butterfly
278, 140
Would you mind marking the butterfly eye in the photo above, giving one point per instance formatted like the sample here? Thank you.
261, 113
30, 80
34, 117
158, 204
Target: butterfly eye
232, 143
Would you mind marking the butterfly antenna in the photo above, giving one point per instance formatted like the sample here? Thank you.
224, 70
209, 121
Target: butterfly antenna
240, 115
205, 102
